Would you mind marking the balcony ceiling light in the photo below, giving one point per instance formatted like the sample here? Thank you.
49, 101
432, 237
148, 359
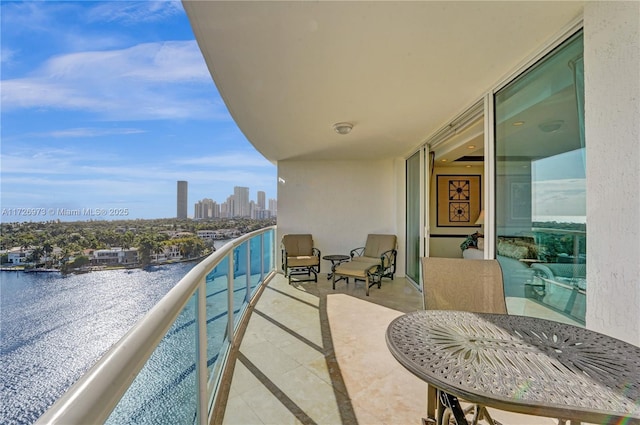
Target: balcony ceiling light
551, 126
343, 127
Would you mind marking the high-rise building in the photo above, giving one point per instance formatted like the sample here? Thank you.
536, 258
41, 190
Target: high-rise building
183, 191
206, 208
273, 207
261, 199
241, 201
225, 209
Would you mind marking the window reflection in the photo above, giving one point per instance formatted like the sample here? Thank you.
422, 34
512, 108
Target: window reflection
541, 187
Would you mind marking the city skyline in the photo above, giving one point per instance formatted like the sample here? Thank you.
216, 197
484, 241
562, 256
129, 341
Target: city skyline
237, 204
105, 105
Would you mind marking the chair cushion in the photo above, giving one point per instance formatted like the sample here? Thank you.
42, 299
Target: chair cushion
302, 261
377, 244
298, 245
354, 269
374, 261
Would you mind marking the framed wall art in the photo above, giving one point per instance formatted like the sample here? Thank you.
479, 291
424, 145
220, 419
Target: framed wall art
459, 200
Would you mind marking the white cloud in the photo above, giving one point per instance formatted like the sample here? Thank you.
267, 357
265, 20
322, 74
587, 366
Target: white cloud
145, 82
134, 12
6, 55
229, 160
92, 132
559, 197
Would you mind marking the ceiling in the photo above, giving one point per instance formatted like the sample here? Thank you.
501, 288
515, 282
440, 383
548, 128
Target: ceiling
398, 71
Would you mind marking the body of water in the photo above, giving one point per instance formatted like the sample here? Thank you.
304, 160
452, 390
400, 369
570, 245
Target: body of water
53, 328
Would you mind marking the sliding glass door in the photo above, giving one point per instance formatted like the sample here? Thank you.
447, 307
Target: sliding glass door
414, 214
541, 185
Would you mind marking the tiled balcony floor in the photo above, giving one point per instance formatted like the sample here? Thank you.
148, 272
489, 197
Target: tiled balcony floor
312, 355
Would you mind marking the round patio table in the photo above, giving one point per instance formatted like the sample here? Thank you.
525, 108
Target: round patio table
521, 364
335, 260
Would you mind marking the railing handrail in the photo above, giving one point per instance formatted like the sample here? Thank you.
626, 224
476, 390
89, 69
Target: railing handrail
557, 230
93, 397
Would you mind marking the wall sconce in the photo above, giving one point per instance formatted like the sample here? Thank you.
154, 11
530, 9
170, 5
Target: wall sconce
480, 219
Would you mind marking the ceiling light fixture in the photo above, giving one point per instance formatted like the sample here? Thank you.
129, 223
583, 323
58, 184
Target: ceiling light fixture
471, 147
551, 126
343, 127
518, 123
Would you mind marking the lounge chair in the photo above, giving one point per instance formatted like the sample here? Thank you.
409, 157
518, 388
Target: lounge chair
372, 262
300, 257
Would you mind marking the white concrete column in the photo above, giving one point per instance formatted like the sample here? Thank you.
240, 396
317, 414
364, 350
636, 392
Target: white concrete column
612, 129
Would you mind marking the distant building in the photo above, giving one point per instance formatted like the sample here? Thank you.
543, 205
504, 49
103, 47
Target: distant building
169, 252
237, 205
211, 235
220, 234
115, 256
225, 209
241, 202
206, 208
273, 207
18, 256
183, 191
262, 197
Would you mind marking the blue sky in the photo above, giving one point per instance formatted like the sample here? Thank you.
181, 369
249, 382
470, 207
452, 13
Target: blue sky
106, 105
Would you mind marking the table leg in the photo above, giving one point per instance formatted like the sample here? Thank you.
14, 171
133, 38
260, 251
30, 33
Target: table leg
333, 268
452, 403
334, 264
432, 401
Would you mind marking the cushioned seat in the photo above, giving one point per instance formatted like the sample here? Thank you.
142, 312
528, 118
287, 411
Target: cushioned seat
372, 262
300, 257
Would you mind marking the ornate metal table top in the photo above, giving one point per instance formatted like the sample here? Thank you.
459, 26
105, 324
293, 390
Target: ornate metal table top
521, 364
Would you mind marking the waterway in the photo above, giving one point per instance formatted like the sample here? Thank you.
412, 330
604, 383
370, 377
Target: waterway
53, 328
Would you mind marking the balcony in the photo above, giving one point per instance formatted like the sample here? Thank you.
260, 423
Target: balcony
314, 355
263, 351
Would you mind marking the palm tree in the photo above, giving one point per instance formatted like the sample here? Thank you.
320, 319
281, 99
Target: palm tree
36, 254
47, 248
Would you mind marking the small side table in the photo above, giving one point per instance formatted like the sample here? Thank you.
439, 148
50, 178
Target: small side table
335, 260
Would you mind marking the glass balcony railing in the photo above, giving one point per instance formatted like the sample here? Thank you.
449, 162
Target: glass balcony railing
167, 368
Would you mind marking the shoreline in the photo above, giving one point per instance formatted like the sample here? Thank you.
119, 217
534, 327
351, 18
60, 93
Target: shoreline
91, 269
98, 268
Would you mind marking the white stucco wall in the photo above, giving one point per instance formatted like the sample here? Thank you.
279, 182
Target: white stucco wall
340, 202
612, 129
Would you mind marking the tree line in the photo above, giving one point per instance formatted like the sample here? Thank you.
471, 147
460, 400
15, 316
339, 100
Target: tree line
149, 236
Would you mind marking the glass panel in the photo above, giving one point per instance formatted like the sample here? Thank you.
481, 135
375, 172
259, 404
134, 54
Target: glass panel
217, 313
240, 293
165, 391
269, 261
541, 187
413, 217
255, 245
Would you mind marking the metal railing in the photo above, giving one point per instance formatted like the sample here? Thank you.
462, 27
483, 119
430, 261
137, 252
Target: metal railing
167, 367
